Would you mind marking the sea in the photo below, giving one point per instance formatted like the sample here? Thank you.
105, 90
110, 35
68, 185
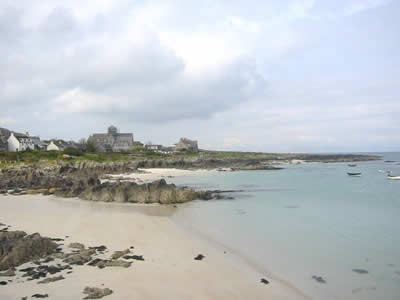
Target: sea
325, 233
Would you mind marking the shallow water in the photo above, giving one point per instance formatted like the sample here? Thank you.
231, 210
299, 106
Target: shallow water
310, 220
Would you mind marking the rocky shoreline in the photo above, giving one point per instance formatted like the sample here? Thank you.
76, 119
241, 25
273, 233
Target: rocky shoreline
83, 179
25, 258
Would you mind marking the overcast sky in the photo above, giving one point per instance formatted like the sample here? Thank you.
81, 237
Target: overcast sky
300, 75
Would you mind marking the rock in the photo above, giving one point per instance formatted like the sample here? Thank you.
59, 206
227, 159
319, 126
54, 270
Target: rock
136, 257
199, 257
118, 254
265, 281
101, 248
77, 246
17, 248
57, 239
319, 279
51, 279
360, 271
8, 273
77, 259
3, 282
96, 293
103, 263
36, 191
40, 296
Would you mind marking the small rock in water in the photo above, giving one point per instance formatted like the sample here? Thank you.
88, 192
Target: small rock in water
40, 296
199, 257
360, 271
3, 282
96, 293
319, 279
263, 280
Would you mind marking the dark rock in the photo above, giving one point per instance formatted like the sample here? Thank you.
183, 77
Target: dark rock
96, 293
40, 296
57, 239
263, 280
319, 279
136, 257
199, 257
360, 271
101, 248
3, 282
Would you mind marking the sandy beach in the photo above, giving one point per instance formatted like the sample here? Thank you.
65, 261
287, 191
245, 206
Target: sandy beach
169, 270
150, 175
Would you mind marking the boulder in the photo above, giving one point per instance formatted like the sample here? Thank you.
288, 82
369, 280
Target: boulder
96, 293
16, 248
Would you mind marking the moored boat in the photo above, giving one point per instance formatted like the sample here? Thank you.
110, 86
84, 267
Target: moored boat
358, 174
352, 165
393, 177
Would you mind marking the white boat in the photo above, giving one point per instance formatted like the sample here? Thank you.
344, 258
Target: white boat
394, 177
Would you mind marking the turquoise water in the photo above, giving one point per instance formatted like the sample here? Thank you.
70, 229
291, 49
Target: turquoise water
310, 219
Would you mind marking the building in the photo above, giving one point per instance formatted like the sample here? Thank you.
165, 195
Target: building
153, 147
18, 142
112, 140
57, 145
185, 144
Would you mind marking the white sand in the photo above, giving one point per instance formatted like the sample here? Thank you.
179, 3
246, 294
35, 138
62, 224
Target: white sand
150, 175
168, 272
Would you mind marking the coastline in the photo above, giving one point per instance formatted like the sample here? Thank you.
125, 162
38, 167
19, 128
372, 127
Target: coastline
169, 270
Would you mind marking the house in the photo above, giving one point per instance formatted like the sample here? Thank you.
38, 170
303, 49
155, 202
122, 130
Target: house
185, 144
112, 140
18, 142
152, 147
57, 145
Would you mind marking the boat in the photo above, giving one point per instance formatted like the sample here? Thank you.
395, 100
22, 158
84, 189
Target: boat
393, 177
352, 165
354, 174
381, 171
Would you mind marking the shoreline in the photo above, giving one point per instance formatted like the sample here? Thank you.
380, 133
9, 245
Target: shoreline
168, 249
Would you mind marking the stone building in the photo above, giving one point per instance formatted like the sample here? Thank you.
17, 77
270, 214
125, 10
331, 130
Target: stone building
112, 140
185, 144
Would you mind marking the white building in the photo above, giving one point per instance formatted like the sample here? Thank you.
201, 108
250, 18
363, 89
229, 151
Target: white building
56, 146
20, 142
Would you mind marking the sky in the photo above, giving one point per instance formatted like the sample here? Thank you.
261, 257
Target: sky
273, 76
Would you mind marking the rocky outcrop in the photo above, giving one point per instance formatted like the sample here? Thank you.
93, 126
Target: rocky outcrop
67, 182
16, 248
156, 192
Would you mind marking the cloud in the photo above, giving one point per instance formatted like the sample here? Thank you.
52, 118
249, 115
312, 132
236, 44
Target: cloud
255, 75
359, 6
